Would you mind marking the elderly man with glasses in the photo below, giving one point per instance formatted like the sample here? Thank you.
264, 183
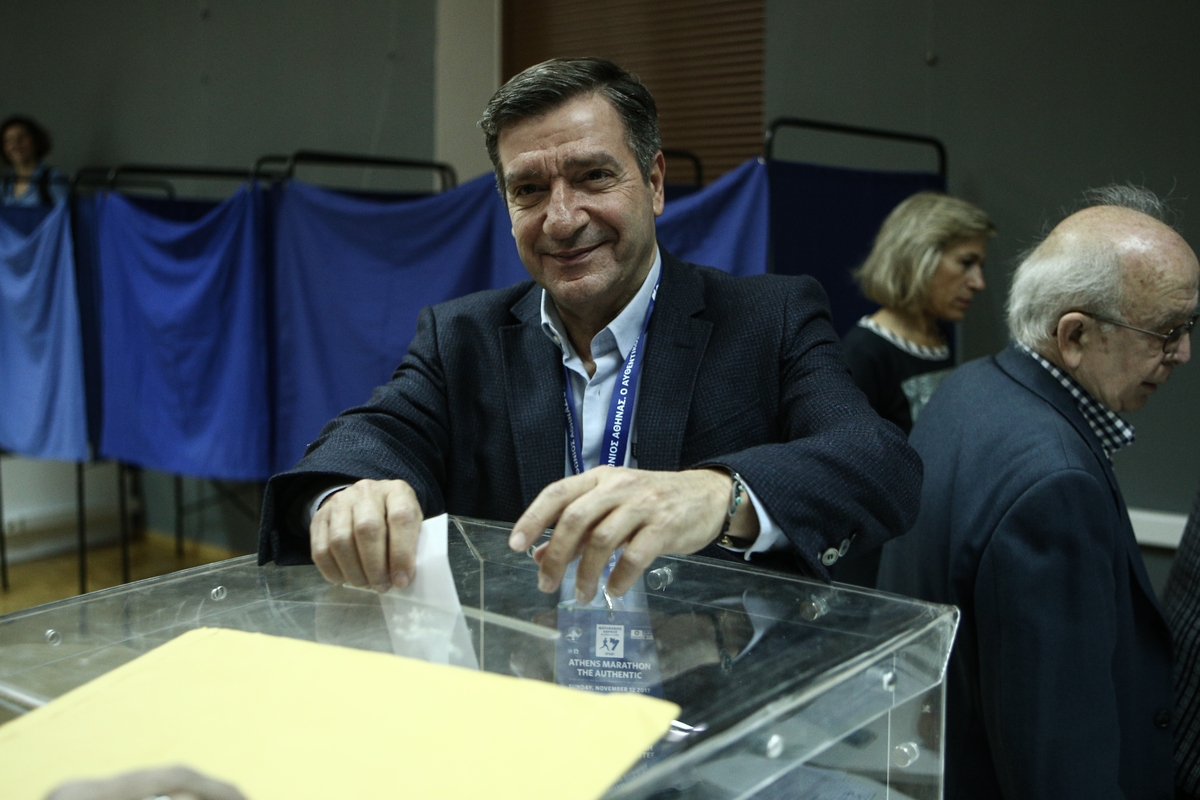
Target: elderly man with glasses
1060, 679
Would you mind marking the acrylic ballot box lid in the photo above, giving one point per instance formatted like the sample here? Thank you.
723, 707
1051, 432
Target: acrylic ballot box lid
788, 687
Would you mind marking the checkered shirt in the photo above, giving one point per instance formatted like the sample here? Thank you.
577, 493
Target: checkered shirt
1112, 431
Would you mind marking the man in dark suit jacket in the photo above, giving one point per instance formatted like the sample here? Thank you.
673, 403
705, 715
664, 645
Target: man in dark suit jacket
1060, 677
1181, 602
746, 426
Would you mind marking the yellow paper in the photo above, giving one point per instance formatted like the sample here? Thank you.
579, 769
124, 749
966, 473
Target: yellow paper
283, 718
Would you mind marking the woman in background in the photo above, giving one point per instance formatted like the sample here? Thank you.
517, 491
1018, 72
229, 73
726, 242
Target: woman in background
28, 182
925, 267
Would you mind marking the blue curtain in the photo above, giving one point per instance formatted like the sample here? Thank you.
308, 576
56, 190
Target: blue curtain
231, 333
42, 403
824, 221
184, 349
351, 276
24, 220
724, 225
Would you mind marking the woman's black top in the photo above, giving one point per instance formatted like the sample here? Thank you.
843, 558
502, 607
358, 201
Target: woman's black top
897, 376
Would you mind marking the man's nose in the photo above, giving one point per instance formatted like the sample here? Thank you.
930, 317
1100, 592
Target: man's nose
1183, 353
564, 215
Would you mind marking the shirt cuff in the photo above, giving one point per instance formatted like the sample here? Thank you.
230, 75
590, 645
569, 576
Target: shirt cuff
770, 535
311, 511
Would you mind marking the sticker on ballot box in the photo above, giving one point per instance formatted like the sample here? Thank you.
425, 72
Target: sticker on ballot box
608, 644
606, 658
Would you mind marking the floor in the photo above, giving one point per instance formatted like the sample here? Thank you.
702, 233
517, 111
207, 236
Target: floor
45, 580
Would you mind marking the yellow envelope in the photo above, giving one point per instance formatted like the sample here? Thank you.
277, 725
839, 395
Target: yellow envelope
284, 718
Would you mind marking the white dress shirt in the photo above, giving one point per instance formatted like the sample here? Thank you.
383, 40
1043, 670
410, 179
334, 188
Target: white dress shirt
592, 394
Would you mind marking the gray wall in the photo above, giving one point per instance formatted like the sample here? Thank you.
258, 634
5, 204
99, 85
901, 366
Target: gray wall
220, 82
467, 74
1035, 101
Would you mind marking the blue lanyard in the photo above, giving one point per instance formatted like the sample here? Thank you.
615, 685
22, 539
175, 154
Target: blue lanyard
620, 407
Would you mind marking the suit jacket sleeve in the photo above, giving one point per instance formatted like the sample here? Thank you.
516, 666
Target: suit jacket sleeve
401, 432
840, 476
1046, 614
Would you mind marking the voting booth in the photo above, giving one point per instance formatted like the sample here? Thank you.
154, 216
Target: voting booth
782, 687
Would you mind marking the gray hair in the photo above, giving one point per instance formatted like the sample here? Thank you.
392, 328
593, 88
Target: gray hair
1057, 277
1127, 195
909, 245
546, 86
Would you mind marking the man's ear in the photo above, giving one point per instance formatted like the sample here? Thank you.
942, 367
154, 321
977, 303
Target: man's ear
1070, 334
658, 179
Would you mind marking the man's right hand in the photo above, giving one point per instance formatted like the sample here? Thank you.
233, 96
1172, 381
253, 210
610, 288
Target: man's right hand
366, 535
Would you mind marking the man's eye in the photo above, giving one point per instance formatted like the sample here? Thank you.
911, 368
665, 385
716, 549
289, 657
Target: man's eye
597, 175
524, 190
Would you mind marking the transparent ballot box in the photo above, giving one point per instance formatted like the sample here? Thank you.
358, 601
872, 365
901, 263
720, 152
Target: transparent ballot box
788, 687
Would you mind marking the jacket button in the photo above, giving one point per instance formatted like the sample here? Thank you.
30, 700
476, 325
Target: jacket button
845, 547
829, 557
1162, 718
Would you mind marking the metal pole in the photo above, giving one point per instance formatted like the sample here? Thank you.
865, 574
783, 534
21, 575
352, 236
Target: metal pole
81, 526
179, 516
124, 511
3, 543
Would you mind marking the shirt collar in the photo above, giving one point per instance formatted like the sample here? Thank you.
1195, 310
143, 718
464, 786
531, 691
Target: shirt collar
1112, 431
624, 330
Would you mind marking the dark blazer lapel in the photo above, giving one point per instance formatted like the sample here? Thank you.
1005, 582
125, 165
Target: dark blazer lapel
534, 393
675, 346
1036, 379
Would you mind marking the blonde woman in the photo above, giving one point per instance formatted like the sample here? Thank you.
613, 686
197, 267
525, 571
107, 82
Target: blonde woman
925, 268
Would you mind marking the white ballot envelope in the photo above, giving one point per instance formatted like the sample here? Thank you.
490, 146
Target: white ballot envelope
425, 619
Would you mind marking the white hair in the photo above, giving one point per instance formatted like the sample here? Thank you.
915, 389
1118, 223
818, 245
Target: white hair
1074, 274
1052, 281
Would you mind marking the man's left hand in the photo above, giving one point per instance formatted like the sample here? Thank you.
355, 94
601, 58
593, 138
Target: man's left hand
649, 513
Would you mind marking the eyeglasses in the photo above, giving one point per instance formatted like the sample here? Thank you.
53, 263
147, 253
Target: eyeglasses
1170, 339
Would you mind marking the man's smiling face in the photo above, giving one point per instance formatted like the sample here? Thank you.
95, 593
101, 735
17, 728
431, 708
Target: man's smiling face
582, 214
